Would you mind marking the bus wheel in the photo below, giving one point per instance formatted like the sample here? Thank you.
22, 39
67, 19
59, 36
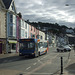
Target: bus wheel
39, 53
34, 56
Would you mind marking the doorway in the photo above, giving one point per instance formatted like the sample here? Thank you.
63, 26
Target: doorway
0, 48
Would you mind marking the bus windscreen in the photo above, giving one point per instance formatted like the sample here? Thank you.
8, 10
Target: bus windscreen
27, 45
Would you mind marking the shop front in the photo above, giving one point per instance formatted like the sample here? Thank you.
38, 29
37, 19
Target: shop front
12, 46
2, 46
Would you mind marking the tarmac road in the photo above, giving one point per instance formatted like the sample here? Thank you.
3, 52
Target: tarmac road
12, 64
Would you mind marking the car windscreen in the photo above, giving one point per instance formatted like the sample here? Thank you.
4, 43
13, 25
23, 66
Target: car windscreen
60, 46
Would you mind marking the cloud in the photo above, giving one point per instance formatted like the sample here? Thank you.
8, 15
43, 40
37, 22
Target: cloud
47, 11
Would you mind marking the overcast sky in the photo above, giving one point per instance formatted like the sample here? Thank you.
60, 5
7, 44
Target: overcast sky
52, 11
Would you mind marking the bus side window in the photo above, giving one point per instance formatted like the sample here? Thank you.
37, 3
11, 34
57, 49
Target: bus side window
41, 44
38, 45
45, 45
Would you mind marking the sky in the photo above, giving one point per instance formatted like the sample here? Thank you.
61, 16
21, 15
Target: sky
51, 11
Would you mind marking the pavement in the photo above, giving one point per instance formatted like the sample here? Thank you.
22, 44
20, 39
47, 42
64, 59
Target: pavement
69, 69
8, 71
8, 55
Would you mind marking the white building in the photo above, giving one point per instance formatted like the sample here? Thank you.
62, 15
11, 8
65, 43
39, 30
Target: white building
24, 29
41, 35
69, 31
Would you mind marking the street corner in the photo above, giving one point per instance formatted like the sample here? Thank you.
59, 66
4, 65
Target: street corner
9, 72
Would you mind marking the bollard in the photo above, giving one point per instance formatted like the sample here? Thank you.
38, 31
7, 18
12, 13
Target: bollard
61, 65
20, 74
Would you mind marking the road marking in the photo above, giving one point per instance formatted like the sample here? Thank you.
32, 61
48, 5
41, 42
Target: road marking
34, 64
38, 73
28, 68
41, 66
44, 57
40, 61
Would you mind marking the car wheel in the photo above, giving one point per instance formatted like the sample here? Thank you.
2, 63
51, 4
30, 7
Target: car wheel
65, 50
57, 50
39, 53
61, 50
69, 50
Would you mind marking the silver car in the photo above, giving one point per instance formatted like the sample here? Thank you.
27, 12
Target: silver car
65, 48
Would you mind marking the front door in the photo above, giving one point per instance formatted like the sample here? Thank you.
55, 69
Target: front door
0, 48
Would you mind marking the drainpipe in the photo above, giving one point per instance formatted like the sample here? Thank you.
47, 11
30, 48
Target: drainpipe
6, 35
6, 29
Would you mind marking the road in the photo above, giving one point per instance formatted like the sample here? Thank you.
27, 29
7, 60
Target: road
47, 64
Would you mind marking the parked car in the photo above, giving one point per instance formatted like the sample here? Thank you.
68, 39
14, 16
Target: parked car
69, 45
62, 48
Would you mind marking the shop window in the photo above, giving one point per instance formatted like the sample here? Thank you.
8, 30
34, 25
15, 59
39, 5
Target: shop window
14, 46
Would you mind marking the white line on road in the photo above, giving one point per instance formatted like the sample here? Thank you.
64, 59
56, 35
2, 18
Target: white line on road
41, 66
39, 60
34, 64
28, 68
38, 73
44, 57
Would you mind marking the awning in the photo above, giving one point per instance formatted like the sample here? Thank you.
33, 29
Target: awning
12, 41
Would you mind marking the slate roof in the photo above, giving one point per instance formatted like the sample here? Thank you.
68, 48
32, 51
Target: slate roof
2, 3
7, 3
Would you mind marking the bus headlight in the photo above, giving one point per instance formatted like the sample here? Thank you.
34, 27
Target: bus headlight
33, 53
